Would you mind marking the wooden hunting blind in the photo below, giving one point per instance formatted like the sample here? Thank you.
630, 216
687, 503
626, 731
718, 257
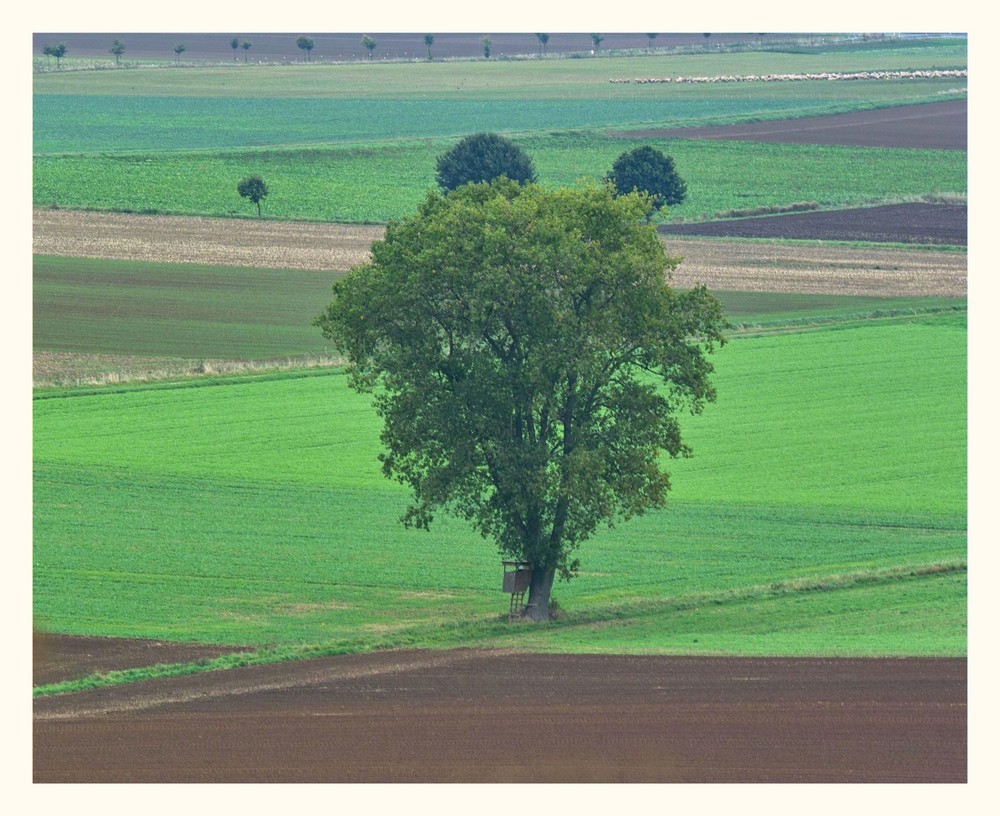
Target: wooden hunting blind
516, 580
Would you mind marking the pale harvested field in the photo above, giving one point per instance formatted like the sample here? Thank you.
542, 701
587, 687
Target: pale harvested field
721, 265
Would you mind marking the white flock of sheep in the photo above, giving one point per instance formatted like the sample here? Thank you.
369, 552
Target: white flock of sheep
799, 77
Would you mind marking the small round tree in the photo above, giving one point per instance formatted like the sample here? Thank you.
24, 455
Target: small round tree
254, 188
306, 44
117, 48
647, 170
369, 43
484, 157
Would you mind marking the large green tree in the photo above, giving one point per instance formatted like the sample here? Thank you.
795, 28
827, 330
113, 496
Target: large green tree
528, 359
647, 170
483, 157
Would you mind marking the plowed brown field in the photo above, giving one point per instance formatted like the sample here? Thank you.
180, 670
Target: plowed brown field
486, 716
932, 126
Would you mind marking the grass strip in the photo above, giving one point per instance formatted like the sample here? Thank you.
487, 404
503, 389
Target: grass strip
480, 632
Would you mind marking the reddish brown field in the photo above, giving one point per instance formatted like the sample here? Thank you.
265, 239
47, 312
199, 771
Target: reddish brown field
896, 223
476, 716
933, 126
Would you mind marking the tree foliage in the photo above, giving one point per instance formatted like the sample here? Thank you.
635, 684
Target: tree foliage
369, 43
487, 42
57, 51
429, 41
484, 157
306, 44
529, 360
117, 48
647, 170
254, 188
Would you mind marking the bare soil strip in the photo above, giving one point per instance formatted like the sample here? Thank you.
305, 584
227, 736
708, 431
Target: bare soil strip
933, 126
734, 266
922, 224
470, 716
56, 658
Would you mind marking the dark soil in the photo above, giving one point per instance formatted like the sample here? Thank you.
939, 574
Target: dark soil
56, 658
472, 716
897, 223
932, 126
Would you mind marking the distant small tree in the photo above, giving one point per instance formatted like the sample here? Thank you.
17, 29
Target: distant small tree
254, 188
597, 38
234, 43
245, 45
429, 41
57, 51
647, 170
179, 49
306, 44
543, 41
117, 48
483, 157
487, 42
369, 43
651, 38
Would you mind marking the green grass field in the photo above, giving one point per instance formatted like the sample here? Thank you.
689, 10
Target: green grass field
828, 487
379, 182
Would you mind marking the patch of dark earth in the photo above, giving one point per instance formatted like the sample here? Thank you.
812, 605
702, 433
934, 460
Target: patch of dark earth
57, 658
928, 224
929, 126
497, 716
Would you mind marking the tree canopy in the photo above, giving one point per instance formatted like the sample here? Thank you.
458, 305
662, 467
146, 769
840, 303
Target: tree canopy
254, 188
528, 359
647, 170
306, 44
483, 157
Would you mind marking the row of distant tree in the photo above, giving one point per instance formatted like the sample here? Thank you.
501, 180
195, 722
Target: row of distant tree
306, 44
486, 157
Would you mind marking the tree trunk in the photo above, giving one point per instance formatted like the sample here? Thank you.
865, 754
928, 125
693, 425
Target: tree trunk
537, 608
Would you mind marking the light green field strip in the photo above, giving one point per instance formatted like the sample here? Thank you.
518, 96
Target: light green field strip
255, 513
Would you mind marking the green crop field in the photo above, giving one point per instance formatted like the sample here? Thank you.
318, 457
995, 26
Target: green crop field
374, 184
823, 513
89, 306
